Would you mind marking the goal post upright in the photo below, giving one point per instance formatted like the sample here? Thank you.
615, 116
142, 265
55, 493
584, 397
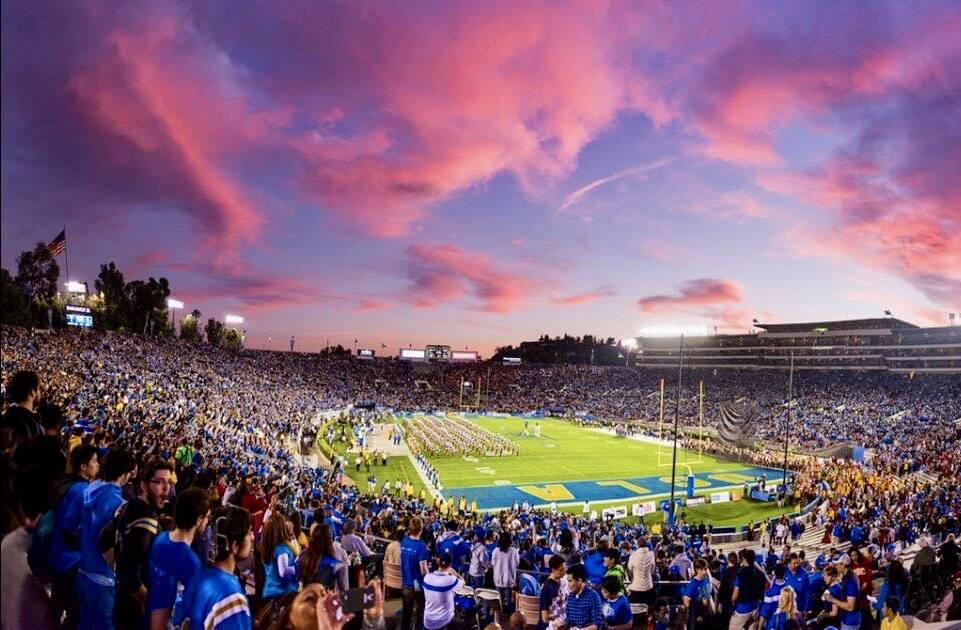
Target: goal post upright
660, 426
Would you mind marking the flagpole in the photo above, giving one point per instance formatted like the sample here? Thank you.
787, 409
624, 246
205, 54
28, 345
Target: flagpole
66, 256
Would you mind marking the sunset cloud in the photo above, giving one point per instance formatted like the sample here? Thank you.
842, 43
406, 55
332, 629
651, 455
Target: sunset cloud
577, 299
699, 292
444, 273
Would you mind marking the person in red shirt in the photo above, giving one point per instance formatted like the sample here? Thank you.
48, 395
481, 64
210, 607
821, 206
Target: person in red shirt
256, 503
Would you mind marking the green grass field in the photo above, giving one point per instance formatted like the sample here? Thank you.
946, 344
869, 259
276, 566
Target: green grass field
569, 464
566, 452
397, 468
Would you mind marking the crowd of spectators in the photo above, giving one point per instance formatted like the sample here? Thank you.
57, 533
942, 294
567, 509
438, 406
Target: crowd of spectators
153, 483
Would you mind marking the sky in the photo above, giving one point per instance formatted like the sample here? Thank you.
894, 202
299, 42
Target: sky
480, 173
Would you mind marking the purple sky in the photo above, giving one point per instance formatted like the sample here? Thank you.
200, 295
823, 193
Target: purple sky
479, 173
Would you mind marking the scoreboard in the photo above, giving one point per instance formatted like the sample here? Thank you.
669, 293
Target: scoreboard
438, 353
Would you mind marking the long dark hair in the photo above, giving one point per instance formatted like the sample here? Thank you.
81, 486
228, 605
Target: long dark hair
274, 534
321, 544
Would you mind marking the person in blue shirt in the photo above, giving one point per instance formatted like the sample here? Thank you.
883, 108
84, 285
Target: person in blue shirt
797, 578
453, 543
413, 566
173, 564
772, 596
277, 555
617, 610
65, 542
697, 596
842, 596
96, 580
748, 591
215, 599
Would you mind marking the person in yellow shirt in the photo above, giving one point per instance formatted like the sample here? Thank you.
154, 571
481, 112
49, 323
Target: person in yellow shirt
473, 507
890, 619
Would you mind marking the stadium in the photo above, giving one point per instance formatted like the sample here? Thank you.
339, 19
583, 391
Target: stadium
480, 315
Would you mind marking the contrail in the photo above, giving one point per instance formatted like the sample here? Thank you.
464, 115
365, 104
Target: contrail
578, 194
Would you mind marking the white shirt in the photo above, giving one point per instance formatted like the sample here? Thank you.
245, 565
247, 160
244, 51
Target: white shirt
439, 588
641, 566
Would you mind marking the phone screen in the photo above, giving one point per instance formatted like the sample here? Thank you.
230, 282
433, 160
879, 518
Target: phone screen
357, 599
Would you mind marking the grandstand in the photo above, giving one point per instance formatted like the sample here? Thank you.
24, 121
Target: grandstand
888, 344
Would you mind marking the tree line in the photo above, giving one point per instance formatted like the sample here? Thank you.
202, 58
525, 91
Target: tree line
31, 298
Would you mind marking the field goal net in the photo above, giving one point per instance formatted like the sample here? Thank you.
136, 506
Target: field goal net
665, 434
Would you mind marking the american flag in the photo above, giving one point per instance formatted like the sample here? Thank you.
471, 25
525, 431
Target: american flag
58, 245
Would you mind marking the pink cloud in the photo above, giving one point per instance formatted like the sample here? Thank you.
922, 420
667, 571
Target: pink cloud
445, 273
577, 299
258, 291
367, 304
698, 293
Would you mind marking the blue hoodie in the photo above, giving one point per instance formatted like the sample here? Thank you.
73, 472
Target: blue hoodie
101, 499
64, 556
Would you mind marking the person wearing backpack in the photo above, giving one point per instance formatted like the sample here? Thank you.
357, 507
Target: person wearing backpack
96, 579
134, 528
65, 540
748, 592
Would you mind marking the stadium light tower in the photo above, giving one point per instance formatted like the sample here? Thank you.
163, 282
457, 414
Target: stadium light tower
173, 305
677, 416
233, 319
787, 420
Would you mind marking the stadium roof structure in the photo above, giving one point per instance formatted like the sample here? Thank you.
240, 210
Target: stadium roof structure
878, 323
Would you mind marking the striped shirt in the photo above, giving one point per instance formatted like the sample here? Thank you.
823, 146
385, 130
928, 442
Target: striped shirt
439, 588
216, 600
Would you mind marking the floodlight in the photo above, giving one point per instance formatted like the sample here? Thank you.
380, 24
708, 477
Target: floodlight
76, 287
629, 343
234, 319
172, 303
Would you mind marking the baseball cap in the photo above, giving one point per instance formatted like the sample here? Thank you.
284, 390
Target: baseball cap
444, 559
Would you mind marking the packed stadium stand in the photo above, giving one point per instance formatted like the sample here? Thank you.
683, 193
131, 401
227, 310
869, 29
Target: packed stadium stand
153, 481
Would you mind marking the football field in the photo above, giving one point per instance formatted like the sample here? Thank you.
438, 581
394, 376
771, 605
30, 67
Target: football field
572, 464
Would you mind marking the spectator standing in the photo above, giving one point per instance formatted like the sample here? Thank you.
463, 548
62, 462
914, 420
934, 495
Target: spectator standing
504, 561
21, 421
173, 564
216, 600
413, 566
277, 555
25, 604
479, 563
96, 579
553, 594
748, 592
320, 562
439, 589
640, 565
772, 597
584, 610
891, 618
65, 543
698, 596
797, 578
134, 528
617, 610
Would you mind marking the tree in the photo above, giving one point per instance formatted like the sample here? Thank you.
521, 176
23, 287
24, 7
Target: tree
14, 305
37, 274
190, 326
112, 288
148, 304
214, 330
232, 339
